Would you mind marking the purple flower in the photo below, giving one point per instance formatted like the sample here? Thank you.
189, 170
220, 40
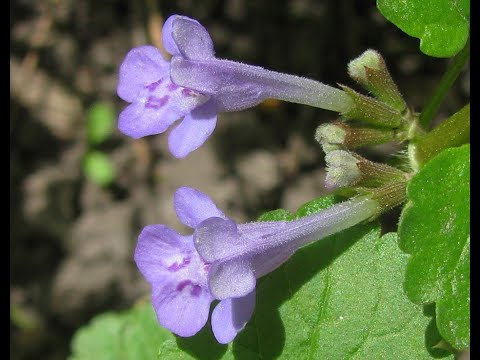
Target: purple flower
197, 86
179, 276
222, 260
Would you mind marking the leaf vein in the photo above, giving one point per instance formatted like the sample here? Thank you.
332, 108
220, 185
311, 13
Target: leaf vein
321, 314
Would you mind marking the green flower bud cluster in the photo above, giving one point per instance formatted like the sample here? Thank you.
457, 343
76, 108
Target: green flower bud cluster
380, 117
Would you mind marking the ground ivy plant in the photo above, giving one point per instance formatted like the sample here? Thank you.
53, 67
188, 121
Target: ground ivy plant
323, 282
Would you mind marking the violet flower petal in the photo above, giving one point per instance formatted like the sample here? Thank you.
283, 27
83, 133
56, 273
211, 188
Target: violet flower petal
192, 39
142, 65
180, 294
182, 308
156, 101
157, 107
137, 121
193, 131
217, 238
160, 250
230, 317
193, 206
167, 38
231, 279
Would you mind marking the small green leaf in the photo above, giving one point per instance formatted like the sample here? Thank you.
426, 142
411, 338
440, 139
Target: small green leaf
98, 168
100, 122
130, 335
338, 298
276, 215
442, 26
316, 205
435, 229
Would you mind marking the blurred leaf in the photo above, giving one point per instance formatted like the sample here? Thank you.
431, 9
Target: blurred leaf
100, 122
25, 319
435, 229
276, 215
442, 26
316, 205
98, 168
130, 335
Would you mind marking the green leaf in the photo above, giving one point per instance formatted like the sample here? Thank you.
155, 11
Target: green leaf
201, 346
98, 168
339, 298
100, 122
442, 26
276, 215
130, 335
316, 205
435, 229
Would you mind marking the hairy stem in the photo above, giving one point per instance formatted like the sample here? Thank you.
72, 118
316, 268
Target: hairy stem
454, 131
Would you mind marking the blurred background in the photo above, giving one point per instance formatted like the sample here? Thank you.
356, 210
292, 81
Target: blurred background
80, 191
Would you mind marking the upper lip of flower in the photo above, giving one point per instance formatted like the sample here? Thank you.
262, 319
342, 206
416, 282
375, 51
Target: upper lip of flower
238, 240
186, 37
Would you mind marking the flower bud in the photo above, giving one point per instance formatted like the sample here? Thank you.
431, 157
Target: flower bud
338, 135
346, 169
342, 169
370, 71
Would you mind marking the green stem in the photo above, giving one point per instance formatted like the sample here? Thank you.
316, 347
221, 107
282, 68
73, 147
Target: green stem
454, 131
445, 83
